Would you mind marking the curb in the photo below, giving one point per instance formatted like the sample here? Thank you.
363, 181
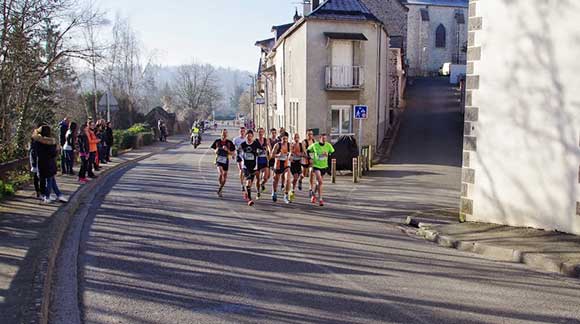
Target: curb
538, 261
36, 310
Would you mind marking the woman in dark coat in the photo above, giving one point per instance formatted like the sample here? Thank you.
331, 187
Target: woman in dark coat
47, 152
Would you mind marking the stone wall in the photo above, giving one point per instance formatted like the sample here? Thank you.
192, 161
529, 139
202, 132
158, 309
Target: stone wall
521, 159
423, 56
393, 15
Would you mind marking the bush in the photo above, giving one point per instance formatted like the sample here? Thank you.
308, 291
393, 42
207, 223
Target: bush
148, 138
6, 189
124, 139
139, 128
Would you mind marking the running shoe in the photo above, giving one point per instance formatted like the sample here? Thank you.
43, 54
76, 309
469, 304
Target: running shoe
286, 200
313, 199
292, 196
246, 198
243, 188
251, 203
220, 192
258, 195
62, 199
300, 184
274, 197
263, 188
321, 203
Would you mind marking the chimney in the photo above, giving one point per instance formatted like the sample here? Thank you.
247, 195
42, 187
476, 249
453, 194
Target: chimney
307, 8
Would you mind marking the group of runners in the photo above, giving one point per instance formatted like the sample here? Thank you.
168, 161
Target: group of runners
287, 163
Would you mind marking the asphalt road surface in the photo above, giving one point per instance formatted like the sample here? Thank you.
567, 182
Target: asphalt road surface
160, 247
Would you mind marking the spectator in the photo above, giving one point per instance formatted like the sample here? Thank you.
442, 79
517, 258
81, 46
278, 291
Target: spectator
69, 148
110, 141
93, 141
102, 145
33, 158
63, 127
47, 151
84, 152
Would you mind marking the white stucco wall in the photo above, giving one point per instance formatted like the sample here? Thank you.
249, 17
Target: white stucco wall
527, 158
295, 74
319, 99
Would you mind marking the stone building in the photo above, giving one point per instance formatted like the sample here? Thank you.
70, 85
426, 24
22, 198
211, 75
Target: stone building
393, 14
436, 34
521, 160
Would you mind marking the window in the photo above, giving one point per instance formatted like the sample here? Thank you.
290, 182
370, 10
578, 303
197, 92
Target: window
293, 118
440, 36
341, 123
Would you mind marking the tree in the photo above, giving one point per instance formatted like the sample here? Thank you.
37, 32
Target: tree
35, 43
197, 91
245, 102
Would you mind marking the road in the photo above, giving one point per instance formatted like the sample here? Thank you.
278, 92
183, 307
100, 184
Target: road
160, 247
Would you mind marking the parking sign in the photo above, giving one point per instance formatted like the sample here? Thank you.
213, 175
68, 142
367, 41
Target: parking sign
361, 112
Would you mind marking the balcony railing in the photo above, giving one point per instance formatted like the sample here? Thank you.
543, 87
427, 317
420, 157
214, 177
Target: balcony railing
344, 77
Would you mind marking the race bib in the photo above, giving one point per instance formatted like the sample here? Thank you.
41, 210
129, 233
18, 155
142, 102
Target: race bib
222, 159
262, 153
249, 157
297, 158
322, 157
283, 157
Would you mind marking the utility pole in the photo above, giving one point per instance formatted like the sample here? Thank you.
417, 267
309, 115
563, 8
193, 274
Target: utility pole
253, 98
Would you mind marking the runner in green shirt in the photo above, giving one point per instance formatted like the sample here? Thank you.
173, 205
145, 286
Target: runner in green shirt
319, 153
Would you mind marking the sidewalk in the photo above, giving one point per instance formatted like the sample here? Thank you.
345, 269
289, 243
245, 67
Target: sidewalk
24, 222
541, 250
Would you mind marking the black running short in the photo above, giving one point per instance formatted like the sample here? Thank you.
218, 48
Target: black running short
249, 174
272, 163
225, 166
281, 170
323, 172
296, 168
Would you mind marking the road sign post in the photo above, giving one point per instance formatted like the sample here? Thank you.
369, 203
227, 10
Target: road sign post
360, 113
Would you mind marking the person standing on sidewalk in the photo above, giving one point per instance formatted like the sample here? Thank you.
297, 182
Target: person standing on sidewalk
238, 142
33, 158
109, 141
320, 153
47, 152
84, 152
63, 129
69, 148
93, 141
223, 148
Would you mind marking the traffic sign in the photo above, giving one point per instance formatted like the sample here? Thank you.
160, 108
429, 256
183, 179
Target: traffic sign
361, 112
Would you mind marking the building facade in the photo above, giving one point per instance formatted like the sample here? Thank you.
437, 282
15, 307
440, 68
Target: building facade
521, 160
330, 60
436, 34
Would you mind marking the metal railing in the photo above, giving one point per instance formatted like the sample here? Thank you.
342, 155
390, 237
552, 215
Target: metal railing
344, 77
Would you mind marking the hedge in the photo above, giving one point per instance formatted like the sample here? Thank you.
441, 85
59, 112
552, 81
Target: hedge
134, 137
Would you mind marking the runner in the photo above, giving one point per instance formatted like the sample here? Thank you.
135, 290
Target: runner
273, 140
320, 153
282, 131
281, 153
307, 167
223, 148
237, 142
250, 149
263, 162
297, 160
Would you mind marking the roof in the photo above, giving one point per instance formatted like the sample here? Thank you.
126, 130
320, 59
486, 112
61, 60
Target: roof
281, 29
266, 43
443, 3
350, 36
343, 10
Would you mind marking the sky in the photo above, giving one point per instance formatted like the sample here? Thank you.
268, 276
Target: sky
219, 32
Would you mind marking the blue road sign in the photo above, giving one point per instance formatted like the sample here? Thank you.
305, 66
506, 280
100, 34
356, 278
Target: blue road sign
361, 112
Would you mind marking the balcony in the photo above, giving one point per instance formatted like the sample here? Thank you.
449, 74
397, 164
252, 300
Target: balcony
345, 78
